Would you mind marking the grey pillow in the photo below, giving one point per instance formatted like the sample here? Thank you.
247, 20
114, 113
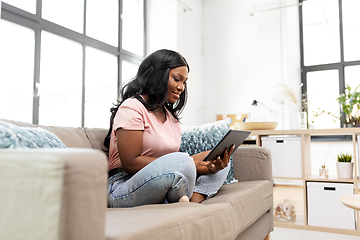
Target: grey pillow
204, 138
12, 136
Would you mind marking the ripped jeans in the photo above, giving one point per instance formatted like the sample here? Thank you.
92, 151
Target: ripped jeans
166, 179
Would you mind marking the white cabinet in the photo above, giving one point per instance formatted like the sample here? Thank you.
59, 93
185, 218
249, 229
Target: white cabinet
325, 208
285, 155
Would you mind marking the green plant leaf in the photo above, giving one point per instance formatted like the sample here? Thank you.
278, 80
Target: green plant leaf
344, 157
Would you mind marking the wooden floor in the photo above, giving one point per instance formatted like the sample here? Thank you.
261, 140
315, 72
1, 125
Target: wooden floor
294, 194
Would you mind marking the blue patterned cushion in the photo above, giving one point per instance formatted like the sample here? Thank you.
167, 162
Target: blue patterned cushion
12, 136
204, 138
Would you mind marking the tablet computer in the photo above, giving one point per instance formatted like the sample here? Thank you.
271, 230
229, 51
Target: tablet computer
235, 137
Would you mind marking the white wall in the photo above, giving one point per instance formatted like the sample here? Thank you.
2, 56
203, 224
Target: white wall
161, 24
246, 55
189, 44
170, 27
235, 57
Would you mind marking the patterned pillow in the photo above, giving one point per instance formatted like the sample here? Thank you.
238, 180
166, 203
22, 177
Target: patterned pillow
204, 138
12, 136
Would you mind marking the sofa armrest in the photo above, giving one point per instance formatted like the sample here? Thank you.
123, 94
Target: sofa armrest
252, 163
86, 174
82, 197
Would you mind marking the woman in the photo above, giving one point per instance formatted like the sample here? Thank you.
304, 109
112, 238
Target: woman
145, 166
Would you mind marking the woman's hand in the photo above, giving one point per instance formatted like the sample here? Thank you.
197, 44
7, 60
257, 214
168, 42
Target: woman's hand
213, 166
219, 164
202, 167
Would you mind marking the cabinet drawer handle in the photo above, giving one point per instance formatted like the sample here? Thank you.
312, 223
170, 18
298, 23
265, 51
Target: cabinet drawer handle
329, 188
279, 141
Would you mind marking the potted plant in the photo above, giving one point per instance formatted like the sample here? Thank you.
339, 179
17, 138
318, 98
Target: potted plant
350, 107
344, 165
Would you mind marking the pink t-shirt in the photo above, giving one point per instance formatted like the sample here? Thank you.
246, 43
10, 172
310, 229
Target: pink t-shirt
158, 138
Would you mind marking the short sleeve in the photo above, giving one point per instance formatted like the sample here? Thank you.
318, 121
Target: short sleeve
130, 116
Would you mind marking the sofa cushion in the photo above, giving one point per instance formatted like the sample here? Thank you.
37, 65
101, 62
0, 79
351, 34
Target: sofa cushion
252, 163
72, 137
201, 138
12, 136
18, 123
248, 200
96, 137
171, 221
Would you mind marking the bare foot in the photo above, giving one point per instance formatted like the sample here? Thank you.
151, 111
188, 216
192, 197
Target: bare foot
197, 197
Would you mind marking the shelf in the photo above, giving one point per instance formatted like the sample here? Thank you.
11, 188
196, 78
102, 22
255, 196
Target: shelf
287, 178
298, 193
299, 221
330, 179
320, 229
337, 131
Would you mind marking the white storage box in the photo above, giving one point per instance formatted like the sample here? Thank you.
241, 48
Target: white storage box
285, 156
325, 208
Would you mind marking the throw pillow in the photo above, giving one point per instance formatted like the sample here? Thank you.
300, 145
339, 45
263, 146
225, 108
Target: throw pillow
204, 138
12, 136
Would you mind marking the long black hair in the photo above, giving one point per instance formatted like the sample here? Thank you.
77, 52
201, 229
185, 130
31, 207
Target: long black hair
152, 79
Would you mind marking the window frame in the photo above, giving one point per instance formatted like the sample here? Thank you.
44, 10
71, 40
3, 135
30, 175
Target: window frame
340, 66
38, 24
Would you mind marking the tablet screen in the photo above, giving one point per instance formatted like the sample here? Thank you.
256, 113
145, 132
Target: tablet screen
235, 137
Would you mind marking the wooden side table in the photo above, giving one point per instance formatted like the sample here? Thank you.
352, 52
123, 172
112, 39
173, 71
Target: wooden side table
351, 201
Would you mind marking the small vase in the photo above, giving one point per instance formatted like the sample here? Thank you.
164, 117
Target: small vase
323, 172
302, 120
345, 169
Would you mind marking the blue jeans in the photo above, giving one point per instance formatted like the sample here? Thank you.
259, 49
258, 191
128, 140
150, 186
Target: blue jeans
166, 179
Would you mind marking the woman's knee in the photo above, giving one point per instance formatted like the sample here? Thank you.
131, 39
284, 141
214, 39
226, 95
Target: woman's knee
184, 165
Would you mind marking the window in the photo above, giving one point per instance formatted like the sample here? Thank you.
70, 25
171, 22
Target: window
100, 86
133, 26
65, 69
351, 23
316, 82
330, 55
60, 81
100, 15
26, 5
129, 72
18, 47
53, 11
